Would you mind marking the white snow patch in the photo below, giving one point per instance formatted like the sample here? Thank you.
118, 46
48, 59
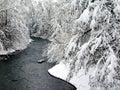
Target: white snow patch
85, 16
79, 80
30, 40
61, 71
3, 52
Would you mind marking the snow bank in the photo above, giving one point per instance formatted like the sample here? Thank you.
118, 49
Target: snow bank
61, 71
79, 80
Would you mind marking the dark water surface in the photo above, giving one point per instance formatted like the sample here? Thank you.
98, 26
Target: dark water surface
22, 72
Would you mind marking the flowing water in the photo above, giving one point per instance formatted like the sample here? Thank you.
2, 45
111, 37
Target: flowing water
22, 72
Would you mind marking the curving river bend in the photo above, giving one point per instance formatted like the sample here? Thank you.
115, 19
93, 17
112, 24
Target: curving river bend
22, 72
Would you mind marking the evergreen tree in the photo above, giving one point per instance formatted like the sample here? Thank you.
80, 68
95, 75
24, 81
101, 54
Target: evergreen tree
101, 50
95, 42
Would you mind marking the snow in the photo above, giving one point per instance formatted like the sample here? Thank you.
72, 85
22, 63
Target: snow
71, 46
79, 80
30, 40
45, 0
61, 71
54, 0
3, 52
97, 42
67, 21
93, 24
85, 16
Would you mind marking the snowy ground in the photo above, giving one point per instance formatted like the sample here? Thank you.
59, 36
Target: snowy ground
80, 80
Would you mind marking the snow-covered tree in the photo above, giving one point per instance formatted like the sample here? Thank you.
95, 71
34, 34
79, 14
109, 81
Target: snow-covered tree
63, 19
14, 34
95, 46
84, 36
40, 19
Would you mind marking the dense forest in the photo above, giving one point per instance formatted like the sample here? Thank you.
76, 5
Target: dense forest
84, 36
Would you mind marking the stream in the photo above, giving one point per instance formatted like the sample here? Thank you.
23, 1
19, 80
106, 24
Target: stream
23, 72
